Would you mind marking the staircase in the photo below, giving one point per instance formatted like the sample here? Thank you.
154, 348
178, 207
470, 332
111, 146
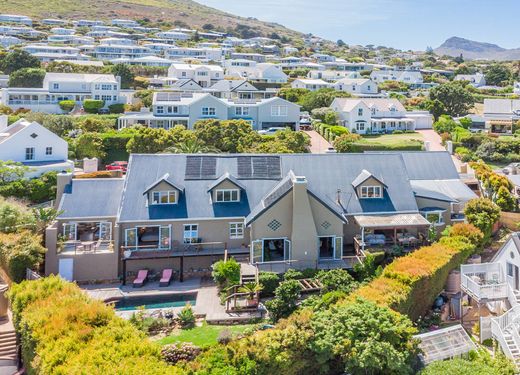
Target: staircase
506, 330
512, 344
8, 348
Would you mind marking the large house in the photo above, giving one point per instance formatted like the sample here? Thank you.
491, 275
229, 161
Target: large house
175, 108
275, 211
34, 146
47, 53
310, 84
64, 86
410, 77
475, 80
356, 86
501, 114
203, 75
375, 115
262, 72
201, 54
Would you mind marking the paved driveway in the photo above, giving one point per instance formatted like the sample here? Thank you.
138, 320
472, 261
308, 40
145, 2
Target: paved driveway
318, 144
434, 139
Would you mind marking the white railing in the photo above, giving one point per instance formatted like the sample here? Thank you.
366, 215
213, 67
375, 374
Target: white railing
498, 334
484, 281
511, 297
485, 328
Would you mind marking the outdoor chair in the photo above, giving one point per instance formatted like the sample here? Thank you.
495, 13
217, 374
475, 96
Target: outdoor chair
166, 277
141, 278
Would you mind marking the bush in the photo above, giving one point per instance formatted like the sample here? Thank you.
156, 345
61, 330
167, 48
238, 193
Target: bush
226, 273
117, 108
63, 331
225, 336
67, 105
184, 351
336, 280
292, 274
186, 316
19, 252
269, 282
345, 142
98, 174
483, 214
93, 106
284, 303
469, 231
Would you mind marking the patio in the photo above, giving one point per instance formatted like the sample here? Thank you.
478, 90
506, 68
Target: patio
484, 281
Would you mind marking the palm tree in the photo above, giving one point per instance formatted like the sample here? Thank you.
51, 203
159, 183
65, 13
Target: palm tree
252, 288
191, 146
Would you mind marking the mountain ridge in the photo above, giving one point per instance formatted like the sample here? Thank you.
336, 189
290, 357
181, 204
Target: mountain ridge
473, 50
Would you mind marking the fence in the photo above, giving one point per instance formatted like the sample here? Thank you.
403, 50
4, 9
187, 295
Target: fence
31, 275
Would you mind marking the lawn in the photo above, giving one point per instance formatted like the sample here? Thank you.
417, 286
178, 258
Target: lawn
206, 335
393, 139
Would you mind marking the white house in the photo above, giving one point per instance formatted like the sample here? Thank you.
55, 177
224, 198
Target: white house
356, 86
33, 145
204, 75
408, 76
145, 61
14, 18
8, 41
115, 48
332, 75
475, 80
172, 35
376, 115
310, 84
202, 54
64, 86
263, 72
124, 23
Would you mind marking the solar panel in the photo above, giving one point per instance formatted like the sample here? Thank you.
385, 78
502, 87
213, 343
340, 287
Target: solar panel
201, 167
259, 167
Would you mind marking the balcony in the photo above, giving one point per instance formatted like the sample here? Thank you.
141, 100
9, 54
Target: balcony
86, 247
484, 281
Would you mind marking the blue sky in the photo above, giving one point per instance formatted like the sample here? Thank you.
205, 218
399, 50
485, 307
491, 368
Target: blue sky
404, 24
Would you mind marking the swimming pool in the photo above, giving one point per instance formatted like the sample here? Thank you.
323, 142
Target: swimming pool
162, 301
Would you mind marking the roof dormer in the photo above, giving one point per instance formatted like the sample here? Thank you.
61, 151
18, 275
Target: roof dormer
226, 189
163, 191
368, 186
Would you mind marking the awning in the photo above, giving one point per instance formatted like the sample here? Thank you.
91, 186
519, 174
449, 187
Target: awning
392, 221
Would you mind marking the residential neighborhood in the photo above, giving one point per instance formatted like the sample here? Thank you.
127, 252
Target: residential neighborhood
184, 190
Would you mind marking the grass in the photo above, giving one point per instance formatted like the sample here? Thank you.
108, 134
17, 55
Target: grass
205, 335
392, 139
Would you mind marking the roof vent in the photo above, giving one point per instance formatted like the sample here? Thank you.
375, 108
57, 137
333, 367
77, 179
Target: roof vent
34, 135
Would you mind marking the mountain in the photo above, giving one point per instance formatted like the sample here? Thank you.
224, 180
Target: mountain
185, 12
476, 50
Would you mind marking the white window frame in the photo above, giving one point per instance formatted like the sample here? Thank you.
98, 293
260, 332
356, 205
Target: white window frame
168, 194
377, 192
440, 216
360, 126
224, 192
209, 111
279, 111
242, 111
30, 153
159, 109
236, 230
48, 150
360, 112
190, 233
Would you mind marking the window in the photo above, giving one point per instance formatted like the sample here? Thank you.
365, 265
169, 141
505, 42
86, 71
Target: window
242, 111
373, 111
202, 74
371, 192
29, 153
48, 151
208, 111
360, 126
236, 230
56, 86
183, 74
160, 109
279, 110
360, 111
96, 97
173, 109
434, 217
509, 269
227, 195
191, 233
164, 197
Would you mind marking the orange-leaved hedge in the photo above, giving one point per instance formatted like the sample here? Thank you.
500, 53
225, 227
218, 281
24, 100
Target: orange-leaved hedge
63, 331
411, 283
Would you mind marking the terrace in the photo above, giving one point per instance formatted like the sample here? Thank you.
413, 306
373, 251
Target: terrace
484, 281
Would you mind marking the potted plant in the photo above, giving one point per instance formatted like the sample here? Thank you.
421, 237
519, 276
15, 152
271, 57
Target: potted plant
252, 289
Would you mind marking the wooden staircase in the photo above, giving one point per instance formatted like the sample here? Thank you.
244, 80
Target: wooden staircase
8, 348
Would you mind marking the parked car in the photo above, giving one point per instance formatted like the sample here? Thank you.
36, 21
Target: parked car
117, 166
270, 131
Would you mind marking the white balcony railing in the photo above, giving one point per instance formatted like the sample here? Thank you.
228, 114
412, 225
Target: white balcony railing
509, 321
484, 281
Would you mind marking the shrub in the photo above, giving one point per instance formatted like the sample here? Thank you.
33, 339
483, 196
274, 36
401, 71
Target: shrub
483, 214
117, 108
67, 105
19, 252
186, 316
93, 106
469, 231
292, 274
336, 280
225, 336
226, 273
345, 142
269, 282
284, 303
63, 331
98, 174
184, 351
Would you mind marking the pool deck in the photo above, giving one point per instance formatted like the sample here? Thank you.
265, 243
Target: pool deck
207, 304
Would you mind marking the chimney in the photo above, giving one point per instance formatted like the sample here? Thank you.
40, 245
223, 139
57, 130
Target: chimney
3, 122
64, 179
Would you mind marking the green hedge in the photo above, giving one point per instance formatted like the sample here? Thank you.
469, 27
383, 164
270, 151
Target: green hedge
93, 106
404, 146
114, 145
63, 331
67, 105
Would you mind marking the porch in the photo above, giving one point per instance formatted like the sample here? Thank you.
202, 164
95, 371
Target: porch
485, 281
88, 236
148, 119
384, 232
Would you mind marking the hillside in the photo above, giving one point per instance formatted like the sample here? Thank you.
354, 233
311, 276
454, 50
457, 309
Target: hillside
473, 50
187, 12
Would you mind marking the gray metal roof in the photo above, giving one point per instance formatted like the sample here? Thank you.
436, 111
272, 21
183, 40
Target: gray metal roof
435, 165
326, 175
92, 198
453, 190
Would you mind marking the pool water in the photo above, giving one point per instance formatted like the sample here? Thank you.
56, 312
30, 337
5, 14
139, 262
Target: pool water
155, 302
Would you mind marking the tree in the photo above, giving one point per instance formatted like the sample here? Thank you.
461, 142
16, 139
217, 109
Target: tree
126, 75
20, 251
336, 279
284, 302
445, 124
482, 213
18, 59
345, 142
27, 77
146, 97
363, 338
321, 98
14, 217
498, 75
292, 95
455, 98
149, 141
435, 107
89, 145
191, 146
227, 136
505, 200
10, 171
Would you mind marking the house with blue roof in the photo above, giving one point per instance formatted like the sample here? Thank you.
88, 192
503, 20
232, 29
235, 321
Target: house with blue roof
273, 211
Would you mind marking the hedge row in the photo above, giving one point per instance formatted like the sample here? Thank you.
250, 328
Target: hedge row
403, 146
410, 284
63, 331
330, 132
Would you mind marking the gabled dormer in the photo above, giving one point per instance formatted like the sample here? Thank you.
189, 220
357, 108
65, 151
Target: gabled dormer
163, 191
368, 186
226, 189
